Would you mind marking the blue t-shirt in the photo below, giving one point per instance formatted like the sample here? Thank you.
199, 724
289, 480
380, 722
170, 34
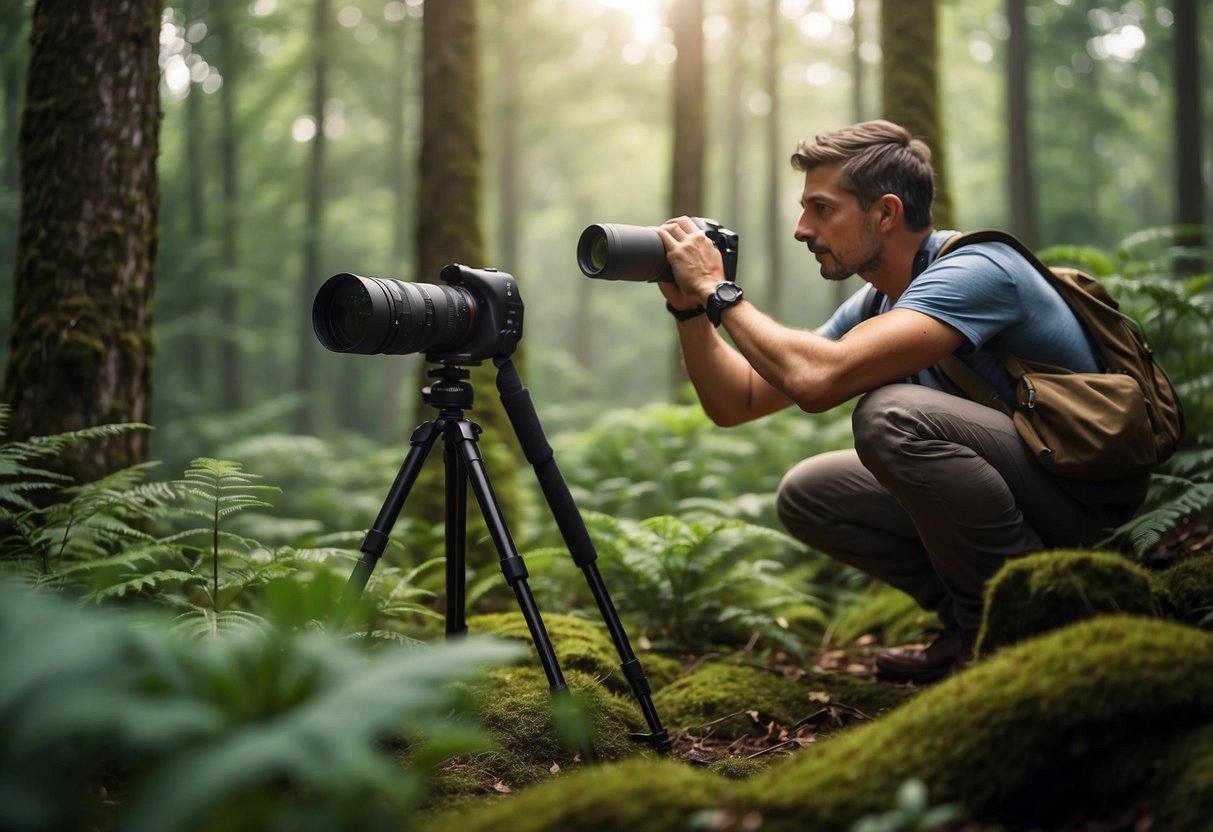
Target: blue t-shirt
994, 298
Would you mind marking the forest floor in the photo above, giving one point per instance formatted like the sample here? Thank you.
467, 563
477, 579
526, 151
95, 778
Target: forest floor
698, 746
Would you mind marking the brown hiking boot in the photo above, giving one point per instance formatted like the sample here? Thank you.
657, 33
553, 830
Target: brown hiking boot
952, 650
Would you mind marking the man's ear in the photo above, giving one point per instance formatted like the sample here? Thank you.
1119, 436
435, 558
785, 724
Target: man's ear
888, 212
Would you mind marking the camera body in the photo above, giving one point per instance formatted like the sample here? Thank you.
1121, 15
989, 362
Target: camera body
611, 251
478, 315
497, 324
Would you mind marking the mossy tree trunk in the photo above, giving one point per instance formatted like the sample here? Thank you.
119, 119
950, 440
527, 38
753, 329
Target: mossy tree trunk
1189, 142
1020, 185
450, 229
690, 129
81, 344
14, 37
910, 84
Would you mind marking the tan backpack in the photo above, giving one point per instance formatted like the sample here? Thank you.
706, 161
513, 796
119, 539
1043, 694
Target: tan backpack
1091, 427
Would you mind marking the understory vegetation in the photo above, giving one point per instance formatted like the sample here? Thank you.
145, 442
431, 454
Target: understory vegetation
169, 660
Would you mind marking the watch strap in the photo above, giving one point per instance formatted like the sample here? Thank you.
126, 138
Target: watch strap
684, 314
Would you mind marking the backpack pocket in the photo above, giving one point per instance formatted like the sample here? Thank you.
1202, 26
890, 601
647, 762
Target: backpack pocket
1086, 426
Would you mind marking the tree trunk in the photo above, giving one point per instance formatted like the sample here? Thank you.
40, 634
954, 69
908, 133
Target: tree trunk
14, 37
231, 390
450, 229
397, 372
1189, 170
910, 85
314, 224
81, 348
1023, 217
777, 164
690, 131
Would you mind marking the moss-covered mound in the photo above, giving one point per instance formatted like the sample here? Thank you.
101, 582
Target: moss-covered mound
1043, 592
579, 644
535, 734
1017, 740
725, 694
1189, 589
732, 699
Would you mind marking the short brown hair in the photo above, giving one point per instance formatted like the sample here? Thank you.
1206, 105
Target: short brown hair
876, 158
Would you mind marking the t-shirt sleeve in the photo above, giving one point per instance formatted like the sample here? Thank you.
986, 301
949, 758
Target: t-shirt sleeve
970, 292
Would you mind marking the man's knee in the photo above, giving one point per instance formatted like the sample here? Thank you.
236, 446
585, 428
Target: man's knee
877, 422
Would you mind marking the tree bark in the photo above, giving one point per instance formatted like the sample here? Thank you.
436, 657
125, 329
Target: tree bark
450, 228
910, 85
777, 163
690, 130
81, 345
1019, 172
1189, 170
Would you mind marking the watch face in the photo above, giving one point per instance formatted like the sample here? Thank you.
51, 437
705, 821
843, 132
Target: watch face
728, 292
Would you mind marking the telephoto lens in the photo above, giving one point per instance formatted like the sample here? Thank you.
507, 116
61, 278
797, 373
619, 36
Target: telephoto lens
372, 315
610, 251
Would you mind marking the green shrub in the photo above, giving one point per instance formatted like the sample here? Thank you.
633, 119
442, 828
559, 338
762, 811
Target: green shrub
112, 720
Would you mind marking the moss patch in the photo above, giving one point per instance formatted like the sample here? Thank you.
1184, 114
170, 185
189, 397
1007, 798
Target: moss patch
1189, 588
1020, 730
733, 698
579, 644
534, 735
1040, 593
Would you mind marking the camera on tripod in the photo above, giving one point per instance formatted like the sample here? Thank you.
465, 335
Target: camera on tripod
610, 251
477, 316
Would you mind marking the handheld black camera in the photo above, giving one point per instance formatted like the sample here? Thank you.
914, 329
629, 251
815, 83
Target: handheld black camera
609, 251
478, 316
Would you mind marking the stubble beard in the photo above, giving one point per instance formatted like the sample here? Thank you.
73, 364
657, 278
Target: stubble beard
872, 255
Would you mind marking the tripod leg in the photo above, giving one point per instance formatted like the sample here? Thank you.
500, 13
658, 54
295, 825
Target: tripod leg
456, 543
421, 442
462, 435
516, 400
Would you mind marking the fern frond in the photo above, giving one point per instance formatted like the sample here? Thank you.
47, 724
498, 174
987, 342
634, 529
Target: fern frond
202, 622
1173, 500
144, 582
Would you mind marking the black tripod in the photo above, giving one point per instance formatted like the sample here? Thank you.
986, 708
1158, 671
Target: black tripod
452, 394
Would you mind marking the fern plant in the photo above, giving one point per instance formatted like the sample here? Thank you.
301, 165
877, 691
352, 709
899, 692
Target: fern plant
699, 585
224, 490
43, 535
110, 720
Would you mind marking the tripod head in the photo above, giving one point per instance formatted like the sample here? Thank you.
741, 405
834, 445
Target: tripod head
451, 391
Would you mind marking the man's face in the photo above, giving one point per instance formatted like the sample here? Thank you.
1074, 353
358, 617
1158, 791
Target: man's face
834, 227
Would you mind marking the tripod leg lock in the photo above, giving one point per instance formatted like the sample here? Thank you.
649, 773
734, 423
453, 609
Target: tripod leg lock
374, 543
634, 673
514, 570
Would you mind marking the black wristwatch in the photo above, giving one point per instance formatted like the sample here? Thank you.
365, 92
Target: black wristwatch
725, 295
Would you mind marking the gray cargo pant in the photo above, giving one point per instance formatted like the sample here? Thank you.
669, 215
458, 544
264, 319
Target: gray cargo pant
937, 494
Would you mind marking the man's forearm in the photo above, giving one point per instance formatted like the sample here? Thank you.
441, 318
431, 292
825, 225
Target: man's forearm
729, 389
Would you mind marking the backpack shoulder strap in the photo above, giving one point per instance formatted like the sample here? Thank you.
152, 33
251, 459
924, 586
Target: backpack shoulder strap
993, 235
974, 386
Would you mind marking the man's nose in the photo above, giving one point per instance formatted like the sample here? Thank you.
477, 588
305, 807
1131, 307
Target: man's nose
805, 232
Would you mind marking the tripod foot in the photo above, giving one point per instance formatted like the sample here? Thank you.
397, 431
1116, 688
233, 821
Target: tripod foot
658, 740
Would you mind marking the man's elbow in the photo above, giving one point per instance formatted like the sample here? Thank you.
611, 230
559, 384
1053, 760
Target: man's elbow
724, 418
813, 392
